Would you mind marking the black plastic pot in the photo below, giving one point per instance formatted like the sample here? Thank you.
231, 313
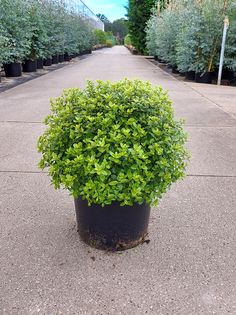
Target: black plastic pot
40, 63
175, 70
204, 77
61, 58
227, 74
29, 66
190, 75
55, 59
112, 227
13, 69
47, 62
67, 57
88, 51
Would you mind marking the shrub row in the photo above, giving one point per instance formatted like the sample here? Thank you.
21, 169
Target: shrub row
188, 34
32, 29
105, 39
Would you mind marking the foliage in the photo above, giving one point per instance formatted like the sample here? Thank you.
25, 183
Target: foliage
187, 34
31, 29
13, 26
153, 25
104, 38
109, 43
114, 142
187, 39
4, 44
230, 53
128, 40
100, 37
119, 28
36, 29
139, 13
103, 18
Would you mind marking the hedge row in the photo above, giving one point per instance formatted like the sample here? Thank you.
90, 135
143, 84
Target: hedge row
188, 35
32, 29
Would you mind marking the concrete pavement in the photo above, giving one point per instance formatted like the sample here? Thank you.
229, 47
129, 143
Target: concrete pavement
189, 266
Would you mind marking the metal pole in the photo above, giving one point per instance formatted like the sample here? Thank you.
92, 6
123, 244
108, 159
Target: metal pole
226, 25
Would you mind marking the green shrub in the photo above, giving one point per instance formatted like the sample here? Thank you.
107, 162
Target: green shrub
100, 37
39, 29
14, 28
109, 43
128, 40
188, 34
114, 142
230, 52
187, 38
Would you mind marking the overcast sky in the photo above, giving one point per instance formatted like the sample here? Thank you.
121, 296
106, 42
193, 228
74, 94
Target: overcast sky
112, 9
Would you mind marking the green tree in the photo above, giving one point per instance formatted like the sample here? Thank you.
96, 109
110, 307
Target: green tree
139, 12
230, 53
120, 29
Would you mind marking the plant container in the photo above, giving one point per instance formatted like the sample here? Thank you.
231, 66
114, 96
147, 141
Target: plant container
29, 66
47, 62
227, 74
67, 57
175, 70
55, 59
13, 69
205, 77
88, 51
112, 227
61, 58
190, 75
40, 63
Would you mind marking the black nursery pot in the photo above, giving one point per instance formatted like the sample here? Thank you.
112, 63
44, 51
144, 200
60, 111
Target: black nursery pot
204, 78
55, 59
29, 66
67, 57
175, 70
13, 69
47, 62
190, 75
40, 63
61, 58
112, 227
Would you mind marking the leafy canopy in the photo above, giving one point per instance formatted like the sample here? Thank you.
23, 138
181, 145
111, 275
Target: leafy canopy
114, 142
138, 14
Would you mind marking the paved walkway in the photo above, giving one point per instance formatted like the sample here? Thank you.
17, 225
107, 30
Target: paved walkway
188, 268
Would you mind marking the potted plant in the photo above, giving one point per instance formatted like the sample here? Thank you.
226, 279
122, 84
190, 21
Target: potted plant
38, 38
117, 148
14, 23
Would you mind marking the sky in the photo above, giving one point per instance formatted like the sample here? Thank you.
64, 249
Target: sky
112, 9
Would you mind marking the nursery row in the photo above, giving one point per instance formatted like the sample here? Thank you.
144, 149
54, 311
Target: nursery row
15, 69
187, 35
33, 30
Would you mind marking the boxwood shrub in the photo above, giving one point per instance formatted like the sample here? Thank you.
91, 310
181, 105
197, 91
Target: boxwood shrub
114, 142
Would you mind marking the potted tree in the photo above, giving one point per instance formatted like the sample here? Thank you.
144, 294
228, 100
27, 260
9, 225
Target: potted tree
38, 38
14, 22
209, 38
4, 42
117, 148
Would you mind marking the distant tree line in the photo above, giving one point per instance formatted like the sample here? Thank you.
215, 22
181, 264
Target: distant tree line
119, 27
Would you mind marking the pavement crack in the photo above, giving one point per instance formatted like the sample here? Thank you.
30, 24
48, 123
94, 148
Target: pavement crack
205, 126
24, 172
20, 122
211, 176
